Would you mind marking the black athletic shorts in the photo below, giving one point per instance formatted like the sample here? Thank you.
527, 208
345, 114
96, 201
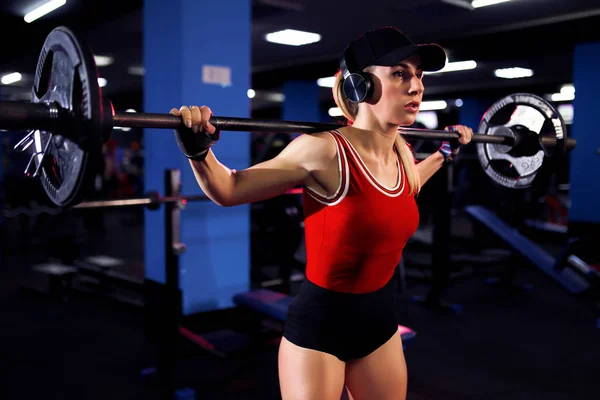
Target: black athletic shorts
346, 325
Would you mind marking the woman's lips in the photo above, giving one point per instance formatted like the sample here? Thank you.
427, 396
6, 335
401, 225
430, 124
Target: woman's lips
413, 106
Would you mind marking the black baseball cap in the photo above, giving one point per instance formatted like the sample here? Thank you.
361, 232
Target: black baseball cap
388, 46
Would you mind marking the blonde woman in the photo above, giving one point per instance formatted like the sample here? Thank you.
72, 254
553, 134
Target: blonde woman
359, 204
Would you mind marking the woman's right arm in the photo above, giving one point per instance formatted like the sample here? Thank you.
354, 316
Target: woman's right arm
292, 167
227, 187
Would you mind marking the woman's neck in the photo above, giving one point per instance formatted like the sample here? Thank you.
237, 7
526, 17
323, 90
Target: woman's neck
375, 138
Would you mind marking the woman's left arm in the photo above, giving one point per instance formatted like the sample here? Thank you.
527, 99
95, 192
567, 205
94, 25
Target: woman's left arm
429, 166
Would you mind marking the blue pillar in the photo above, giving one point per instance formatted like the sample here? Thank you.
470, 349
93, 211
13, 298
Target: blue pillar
301, 101
585, 158
198, 52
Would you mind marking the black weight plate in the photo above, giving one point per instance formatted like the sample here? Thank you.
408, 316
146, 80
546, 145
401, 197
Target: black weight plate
66, 75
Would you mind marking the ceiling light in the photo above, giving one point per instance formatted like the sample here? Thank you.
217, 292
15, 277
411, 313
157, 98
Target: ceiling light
292, 37
459, 103
251, 93
102, 82
567, 93
433, 105
276, 97
326, 82
44, 9
460, 3
11, 78
562, 97
567, 89
456, 66
485, 3
428, 118
513, 73
335, 112
137, 71
566, 111
103, 61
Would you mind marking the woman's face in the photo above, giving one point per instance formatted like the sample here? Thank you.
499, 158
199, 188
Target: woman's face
398, 91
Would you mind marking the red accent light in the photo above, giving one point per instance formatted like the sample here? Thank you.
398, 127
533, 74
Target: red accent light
294, 191
404, 329
195, 338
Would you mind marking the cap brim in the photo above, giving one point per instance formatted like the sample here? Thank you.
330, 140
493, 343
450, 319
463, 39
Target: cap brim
433, 56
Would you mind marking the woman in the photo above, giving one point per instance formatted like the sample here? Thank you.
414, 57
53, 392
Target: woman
359, 185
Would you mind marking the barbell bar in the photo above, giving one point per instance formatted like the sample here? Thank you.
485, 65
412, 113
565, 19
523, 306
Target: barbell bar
51, 117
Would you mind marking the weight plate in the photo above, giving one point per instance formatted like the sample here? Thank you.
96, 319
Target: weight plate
526, 117
66, 75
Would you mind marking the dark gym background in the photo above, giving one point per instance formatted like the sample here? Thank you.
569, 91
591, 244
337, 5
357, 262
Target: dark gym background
505, 343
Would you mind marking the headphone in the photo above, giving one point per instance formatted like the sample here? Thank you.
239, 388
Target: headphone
357, 85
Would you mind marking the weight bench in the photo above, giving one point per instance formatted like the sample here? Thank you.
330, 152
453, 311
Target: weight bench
275, 305
530, 250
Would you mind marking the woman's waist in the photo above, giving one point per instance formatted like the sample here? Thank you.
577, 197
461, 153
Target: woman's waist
350, 277
315, 292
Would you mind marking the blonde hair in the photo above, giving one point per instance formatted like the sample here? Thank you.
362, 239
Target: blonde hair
407, 158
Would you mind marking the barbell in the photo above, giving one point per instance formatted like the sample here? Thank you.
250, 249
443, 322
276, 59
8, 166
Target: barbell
68, 119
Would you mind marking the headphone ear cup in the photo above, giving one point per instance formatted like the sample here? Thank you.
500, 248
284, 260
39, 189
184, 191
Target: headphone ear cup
369, 85
357, 87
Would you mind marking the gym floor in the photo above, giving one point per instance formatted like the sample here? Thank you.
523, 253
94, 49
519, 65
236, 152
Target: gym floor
506, 344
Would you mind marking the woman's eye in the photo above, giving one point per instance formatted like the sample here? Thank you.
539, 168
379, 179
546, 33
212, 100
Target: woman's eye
399, 74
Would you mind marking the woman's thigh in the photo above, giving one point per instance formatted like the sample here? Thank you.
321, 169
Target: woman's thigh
381, 375
306, 374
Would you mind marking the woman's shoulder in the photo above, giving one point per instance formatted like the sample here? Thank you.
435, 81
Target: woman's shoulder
320, 145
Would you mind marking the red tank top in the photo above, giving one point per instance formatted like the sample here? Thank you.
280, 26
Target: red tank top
355, 238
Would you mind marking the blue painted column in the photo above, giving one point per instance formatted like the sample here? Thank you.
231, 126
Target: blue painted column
585, 158
198, 52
